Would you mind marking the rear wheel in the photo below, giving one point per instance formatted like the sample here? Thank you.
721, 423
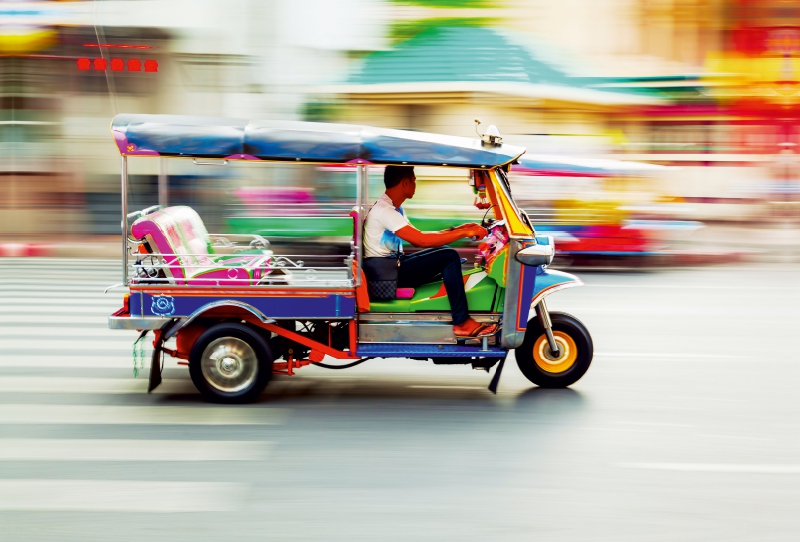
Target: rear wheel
230, 363
540, 366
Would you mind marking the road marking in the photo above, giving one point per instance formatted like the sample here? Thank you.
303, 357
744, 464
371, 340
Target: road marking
120, 496
732, 468
89, 361
66, 310
102, 307
53, 384
431, 387
692, 287
123, 344
131, 450
89, 336
70, 288
657, 424
30, 279
49, 319
738, 437
680, 355
139, 415
62, 298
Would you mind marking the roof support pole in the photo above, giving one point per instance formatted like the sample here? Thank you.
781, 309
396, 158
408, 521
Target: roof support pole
124, 183
366, 185
361, 172
162, 182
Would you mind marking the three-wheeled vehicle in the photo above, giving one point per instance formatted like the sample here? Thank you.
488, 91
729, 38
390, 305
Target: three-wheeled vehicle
239, 312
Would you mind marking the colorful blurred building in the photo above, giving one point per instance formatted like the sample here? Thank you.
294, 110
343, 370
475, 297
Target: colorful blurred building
709, 86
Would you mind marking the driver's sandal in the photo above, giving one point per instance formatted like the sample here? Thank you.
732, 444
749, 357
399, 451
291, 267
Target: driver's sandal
478, 331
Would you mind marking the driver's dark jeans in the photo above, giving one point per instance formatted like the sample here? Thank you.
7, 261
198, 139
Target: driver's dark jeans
432, 265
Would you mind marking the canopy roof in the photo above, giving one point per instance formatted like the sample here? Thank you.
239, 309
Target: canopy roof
575, 166
240, 139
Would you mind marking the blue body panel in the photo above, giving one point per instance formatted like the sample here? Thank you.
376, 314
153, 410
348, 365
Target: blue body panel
240, 139
393, 350
325, 306
535, 281
548, 278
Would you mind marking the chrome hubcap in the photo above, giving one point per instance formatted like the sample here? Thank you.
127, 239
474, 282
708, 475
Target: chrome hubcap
229, 364
563, 351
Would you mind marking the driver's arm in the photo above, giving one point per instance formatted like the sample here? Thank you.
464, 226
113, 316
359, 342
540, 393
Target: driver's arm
428, 239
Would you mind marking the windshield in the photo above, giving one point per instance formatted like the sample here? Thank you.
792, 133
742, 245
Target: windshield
505, 186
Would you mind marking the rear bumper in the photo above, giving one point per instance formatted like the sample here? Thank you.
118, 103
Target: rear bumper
121, 320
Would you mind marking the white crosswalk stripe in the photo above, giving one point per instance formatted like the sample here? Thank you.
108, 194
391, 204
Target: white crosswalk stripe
119, 496
54, 315
25, 414
28, 449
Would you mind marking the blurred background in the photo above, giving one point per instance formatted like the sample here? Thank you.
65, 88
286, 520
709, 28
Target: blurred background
658, 131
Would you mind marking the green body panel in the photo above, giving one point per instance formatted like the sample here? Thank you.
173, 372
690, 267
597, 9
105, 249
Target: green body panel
500, 300
394, 305
479, 298
499, 267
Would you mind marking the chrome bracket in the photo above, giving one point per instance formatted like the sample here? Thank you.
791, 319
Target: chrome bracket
547, 324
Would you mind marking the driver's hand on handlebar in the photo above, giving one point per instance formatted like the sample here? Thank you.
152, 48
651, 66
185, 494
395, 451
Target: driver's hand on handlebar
465, 226
475, 231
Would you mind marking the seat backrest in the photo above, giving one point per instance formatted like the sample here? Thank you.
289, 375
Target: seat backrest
177, 231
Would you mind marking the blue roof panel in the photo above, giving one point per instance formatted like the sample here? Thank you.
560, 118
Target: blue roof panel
238, 139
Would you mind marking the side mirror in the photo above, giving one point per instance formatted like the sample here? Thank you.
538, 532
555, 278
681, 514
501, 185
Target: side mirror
536, 255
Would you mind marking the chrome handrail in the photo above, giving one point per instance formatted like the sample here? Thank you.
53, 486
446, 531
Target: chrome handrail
147, 268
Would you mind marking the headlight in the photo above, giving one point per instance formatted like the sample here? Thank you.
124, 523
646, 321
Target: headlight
536, 255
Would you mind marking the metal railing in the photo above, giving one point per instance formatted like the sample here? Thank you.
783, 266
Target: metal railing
264, 270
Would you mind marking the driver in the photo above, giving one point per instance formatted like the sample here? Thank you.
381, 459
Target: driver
385, 229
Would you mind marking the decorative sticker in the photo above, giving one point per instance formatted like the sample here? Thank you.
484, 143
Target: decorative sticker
163, 305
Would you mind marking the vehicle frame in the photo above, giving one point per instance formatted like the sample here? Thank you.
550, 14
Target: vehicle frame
289, 314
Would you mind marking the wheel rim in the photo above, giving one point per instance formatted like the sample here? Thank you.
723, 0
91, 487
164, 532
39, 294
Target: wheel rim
567, 349
229, 364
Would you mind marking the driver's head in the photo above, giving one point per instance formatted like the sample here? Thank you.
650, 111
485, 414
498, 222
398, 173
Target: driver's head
400, 178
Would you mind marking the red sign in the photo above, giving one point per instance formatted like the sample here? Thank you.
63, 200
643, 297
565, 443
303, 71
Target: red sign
117, 65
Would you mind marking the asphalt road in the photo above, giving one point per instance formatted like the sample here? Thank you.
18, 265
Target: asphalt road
685, 428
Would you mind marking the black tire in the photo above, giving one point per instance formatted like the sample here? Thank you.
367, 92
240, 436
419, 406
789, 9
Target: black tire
241, 376
563, 325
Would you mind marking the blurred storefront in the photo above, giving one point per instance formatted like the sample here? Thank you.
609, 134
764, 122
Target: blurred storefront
706, 86
68, 67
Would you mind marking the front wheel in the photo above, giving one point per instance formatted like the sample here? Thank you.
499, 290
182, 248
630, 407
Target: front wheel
575, 347
230, 363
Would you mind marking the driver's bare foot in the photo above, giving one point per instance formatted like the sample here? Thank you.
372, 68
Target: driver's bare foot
472, 328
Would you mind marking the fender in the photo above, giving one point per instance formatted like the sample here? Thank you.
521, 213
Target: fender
526, 285
215, 305
266, 323
549, 281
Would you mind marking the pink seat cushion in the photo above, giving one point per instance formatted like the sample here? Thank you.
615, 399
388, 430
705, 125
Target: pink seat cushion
180, 236
404, 293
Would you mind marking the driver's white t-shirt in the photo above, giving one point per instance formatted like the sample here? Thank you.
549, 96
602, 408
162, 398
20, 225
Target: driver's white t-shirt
383, 220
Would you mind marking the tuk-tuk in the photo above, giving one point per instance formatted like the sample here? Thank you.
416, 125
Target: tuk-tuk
240, 312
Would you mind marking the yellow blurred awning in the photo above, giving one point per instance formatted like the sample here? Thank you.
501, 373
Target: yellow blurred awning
32, 41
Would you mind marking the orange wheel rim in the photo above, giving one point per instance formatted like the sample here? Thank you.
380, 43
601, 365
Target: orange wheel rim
568, 351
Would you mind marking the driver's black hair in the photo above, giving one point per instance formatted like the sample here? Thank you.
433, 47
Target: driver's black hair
393, 175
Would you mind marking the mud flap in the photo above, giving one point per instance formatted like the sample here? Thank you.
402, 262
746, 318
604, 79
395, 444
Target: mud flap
496, 378
155, 368
155, 364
